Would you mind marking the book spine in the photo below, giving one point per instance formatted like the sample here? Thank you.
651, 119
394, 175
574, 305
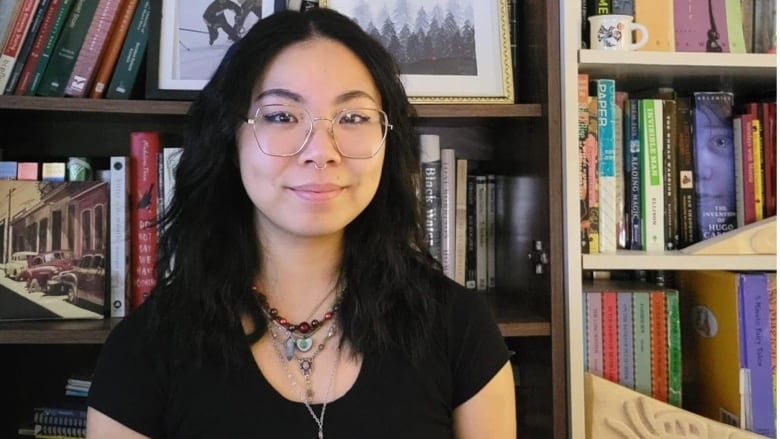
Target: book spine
120, 236
48, 47
39, 41
623, 7
621, 215
66, 50
655, 15
114, 45
605, 98
60, 430
491, 231
460, 221
652, 178
746, 169
670, 174
471, 231
739, 175
144, 147
592, 156
674, 348
758, 177
15, 40
686, 196
714, 166
734, 19
609, 330
481, 231
754, 333
594, 331
642, 380
80, 78
633, 159
625, 333
447, 210
24, 51
658, 346
129, 63
582, 134
430, 160
171, 156
8, 12
770, 159
771, 283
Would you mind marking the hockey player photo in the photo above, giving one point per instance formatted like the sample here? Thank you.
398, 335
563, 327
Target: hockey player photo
214, 16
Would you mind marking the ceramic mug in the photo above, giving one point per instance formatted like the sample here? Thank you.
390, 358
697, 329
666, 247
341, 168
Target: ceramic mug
614, 32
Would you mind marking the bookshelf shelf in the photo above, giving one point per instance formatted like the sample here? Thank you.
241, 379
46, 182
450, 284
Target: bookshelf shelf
134, 106
675, 260
635, 71
56, 331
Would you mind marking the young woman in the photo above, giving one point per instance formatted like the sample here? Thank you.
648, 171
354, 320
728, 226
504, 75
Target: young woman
295, 295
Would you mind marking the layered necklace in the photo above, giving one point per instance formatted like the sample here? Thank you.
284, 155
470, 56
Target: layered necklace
291, 341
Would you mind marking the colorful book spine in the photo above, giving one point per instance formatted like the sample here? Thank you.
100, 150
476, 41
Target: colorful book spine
652, 175
744, 190
670, 177
734, 19
625, 304
144, 147
633, 175
642, 378
755, 350
700, 26
594, 331
582, 134
430, 158
771, 282
592, 156
686, 197
114, 45
757, 131
38, 43
621, 215
24, 51
713, 160
83, 72
655, 15
66, 51
770, 159
447, 210
674, 348
471, 231
50, 40
13, 44
129, 63
658, 347
119, 199
460, 220
481, 232
609, 330
605, 100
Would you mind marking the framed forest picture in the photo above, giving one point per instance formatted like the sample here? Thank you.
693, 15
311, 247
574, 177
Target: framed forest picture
449, 51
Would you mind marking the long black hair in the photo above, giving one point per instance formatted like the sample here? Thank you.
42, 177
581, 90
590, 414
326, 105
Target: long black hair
208, 252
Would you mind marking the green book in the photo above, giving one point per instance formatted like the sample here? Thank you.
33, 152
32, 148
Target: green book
59, 20
129, 62
674, 356
65, 52
642, 377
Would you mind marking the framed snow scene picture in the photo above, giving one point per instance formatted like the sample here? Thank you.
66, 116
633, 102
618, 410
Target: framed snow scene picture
449, 51
188, 39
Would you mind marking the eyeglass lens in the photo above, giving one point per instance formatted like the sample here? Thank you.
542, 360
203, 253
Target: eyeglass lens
283, 130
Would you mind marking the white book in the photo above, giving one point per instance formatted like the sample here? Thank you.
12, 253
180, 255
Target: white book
651, 132
119, 211
19, 26
481, 243
448, 211
460, 220
491, 231
607, 164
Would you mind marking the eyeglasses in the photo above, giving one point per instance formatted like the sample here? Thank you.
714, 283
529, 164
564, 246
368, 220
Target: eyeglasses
283, 130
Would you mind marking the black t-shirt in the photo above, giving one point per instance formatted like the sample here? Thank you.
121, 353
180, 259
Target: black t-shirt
391, 398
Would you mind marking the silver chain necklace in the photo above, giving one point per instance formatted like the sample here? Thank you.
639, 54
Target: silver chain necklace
306, 396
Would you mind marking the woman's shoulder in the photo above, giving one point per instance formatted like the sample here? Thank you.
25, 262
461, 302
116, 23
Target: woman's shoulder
134, 329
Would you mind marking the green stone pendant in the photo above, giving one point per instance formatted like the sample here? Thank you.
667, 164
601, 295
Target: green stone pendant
304, 344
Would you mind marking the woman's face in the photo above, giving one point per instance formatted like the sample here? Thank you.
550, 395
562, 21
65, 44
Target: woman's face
291, 195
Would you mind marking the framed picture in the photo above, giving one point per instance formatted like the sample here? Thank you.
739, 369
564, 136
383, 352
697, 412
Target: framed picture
455, 51
189, 38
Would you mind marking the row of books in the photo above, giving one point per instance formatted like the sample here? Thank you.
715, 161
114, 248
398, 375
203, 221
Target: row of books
660, 171
632, 337
78, 48
60, 421
459, 204
730, 335
736, 26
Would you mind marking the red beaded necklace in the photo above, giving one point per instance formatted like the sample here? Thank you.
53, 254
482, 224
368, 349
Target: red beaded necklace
303, 328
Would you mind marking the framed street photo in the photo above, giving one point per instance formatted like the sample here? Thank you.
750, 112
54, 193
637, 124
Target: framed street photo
455, 51
189, 38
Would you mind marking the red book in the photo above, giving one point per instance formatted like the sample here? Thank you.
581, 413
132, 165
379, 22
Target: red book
770, 159
13, 44
118, 32
144, 148
37, 48
609, 338
658, 347
748, 186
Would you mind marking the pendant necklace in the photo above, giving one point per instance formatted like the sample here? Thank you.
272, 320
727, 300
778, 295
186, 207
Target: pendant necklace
306, 396
305, 364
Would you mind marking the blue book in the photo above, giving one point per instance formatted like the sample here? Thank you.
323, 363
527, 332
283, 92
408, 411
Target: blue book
625, 306
605, 100
756, 352
713, 163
